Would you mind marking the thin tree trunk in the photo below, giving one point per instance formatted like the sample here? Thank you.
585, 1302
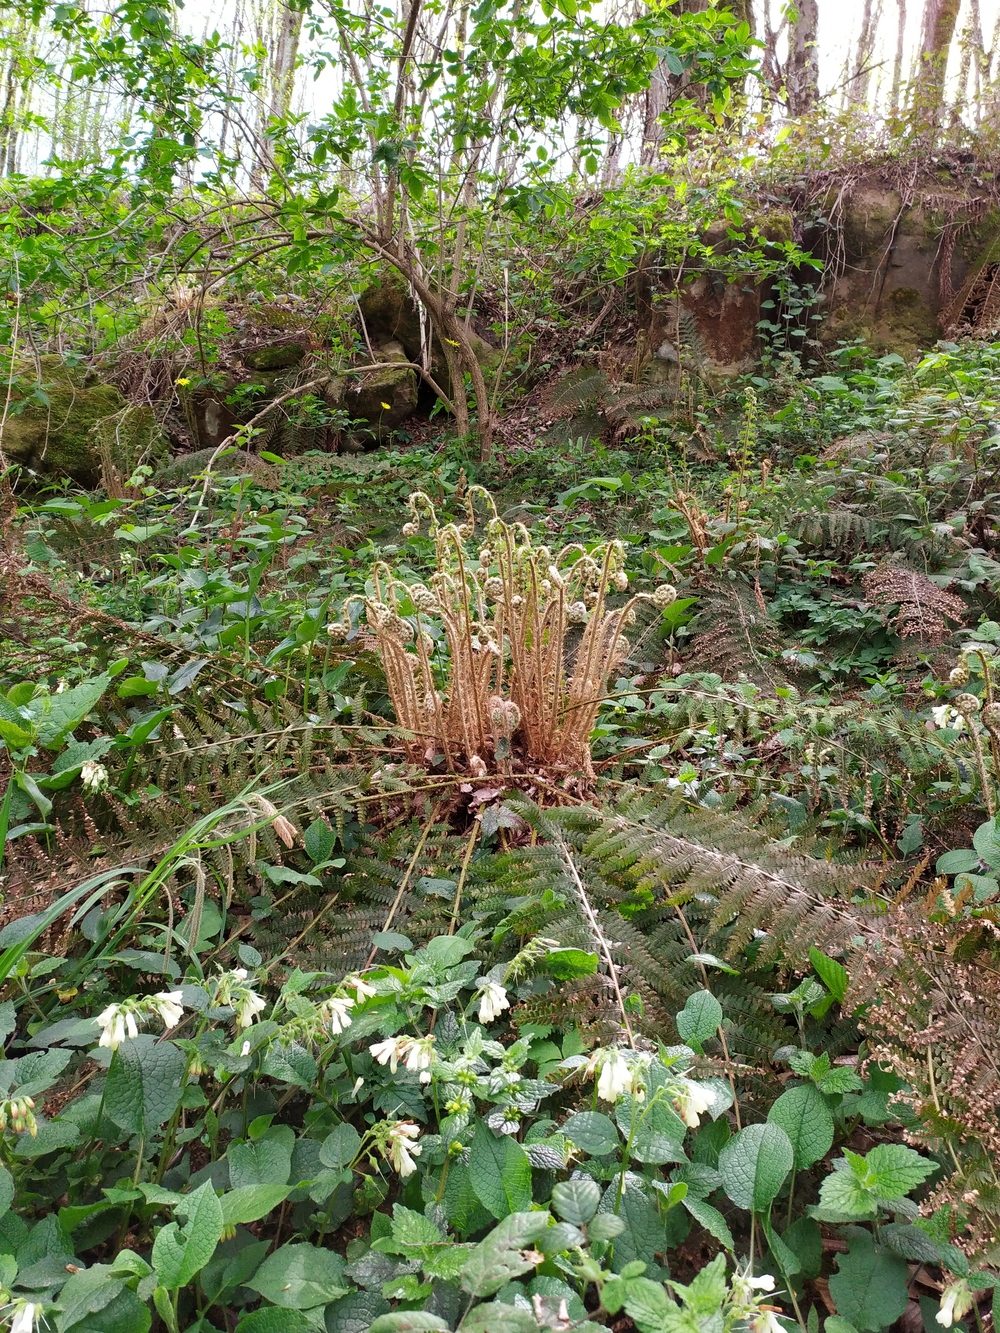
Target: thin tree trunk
802, 75
664, 86
860, 83
896, 97
928, 99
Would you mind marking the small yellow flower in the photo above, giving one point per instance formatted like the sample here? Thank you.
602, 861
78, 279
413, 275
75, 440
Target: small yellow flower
452, 343
183, 382
387, 407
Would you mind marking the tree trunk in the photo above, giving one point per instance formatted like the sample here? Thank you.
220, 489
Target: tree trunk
896, 97
940, 18
281, 77
663, 88
860, 81
802, 76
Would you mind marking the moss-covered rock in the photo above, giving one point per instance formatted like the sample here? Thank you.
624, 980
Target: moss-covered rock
61, 422
383, 399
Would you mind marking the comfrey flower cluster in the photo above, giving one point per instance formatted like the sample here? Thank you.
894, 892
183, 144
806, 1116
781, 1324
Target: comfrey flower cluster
120, 1021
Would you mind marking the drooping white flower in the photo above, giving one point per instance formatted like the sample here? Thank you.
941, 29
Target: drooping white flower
247, 1004
614, 1075
766, 1321
338, 1013
691, 1101
361, 988
116, 1022
239, 974
94, 775
765, 1282
402, 1148
956, 1302
493, 1001
168, 1005
27, 1317
419, 1055
390, 1051
946, 716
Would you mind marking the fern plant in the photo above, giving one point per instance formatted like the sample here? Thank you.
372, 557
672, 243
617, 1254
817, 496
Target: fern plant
528, 639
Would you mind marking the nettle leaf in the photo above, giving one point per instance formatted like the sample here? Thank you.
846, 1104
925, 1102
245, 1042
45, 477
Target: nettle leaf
754, 1164
300, 1277
894, 1170
832, 974
803, 1113
576, 1201
144, 1084
700, 1018
844, 1198
870, 1286
500, 1172
181, 1251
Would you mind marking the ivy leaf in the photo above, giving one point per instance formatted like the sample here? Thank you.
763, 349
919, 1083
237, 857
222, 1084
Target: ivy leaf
803, 1113
179, 1252
500, 1172
753, 1165
870, 1286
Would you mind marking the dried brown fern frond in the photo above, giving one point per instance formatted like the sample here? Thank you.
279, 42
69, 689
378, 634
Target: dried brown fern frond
935, 1022
736, 635
922, 608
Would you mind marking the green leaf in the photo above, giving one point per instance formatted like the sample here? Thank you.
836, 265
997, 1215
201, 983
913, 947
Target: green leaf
265, 1161
986, 841
959, 861
576, 1201
832, 974
250, 1203
59, 714
179, 1252
493, 1317
700, 1018
340, 1147
6, 1190
501, 1256
409, 1321
500, 1172
144, 1084
592, 1132
320, 840
271, 1319
711, 1219
870, 1287
300, 1277
895, 1170
803, 1113
753, 1165
844, 1198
